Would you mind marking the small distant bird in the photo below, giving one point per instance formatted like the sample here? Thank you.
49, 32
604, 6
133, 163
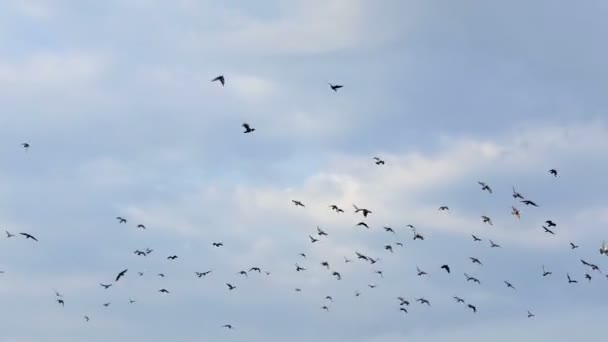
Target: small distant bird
337, 275
553, 172
228, 326
303, 255
379, 161
487, 220
570, 280
528, 202
418, 237
336, 208
403, 309
389, 230
257, 269
106, 304
389, 248
475, 261
219, 78
587, 276
329, 298
299, 268
444, 208
325, 263
324, 307
25, 145
573, 246
248, 128
202, 274
217, 244
545, 272
335, 87
515, 212
141, 226
60, 301
244, 273
446, 268
380, 273
472, 307
547, 230
509, 285
131, 301
485, 187
517, 195
399, 244
494, 245
423, 301
347, 260
604, 248
86, 318
230, 287
121, 274
373, 261
121, 219
420, 272
372, 286
403, 301
298, 203
161, 275
8, 234
362, 224
475, 238
298, 289
312, 239
473, 279
357, 293
459, 300
320, 232
105, 286
172, 257
550, 223
362, 210
163, 291
29, 236
530, 315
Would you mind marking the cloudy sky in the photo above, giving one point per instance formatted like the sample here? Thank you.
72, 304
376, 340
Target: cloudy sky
116, 101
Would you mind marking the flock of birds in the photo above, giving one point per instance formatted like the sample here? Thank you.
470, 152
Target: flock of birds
403, 303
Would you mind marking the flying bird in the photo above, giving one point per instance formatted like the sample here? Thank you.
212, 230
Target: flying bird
517, 195
444, 208
228, 326
105, 286
29, 236
446, 268
220, 78
547, 230
475, 261
163, 291
573, 246
25, 145
141, 226
545, 272
509, 285
550, 223
362, 224
248, 128
121, 219
320, 232
515, 212
389, 248
487, 220
570, 280
217, 244
472, 307
553, 172
60, 301
230, 287
312, 239
8, 234
362, 210
299, 268
420, 272
530, 315
485, 187
494, 245
459, 300
335, 87
528, 202
172, 257
337, 275
475, 238
473, 279
379, 161
423, 301
389, 230
86, 318
121, 274
298, 203
336, 208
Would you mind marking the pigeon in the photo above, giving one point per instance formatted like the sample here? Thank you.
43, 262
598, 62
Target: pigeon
379, 161
545, 272
528, 202
487, 220
517, 195
29, 236
573, 246
335, 87
446, 268
475, 238
553, 172
121, 219
26, 146
298, 203
248, 128
362, 210
485, 187
472, 307
220, 78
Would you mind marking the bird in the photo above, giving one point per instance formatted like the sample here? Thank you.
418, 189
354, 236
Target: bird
372, 286
487, 220
202, 274
423, 301
257, 269
515, 212
573, 246
60, 301
161, 275
121, 274
26, 146
320, 232
570, 280
106, 304
9, 235
329, 298
553, 172
303, 255
485, 187
248, 128
389, 230
362, 224
325, 263
418, 237
337, 275
446, 268
444, 208
86, 318
373, 261
403, 301
473, 279
545, 272
131, 301
336, 208
550, 223
475, 238
420, 272
593, 266
312, 239
509, 285
362, 210
29, 236
380, 273
299, 268
244, 273
163, 291
141, 226
379, 161
298, 203
517, 195
547, 230
347, 260
172, 257
298, 289
604, 248
105, 286
399, 244
475, 261
121, 219
219, 78
494, 245
357, 293
228, 326
587, 276
230, 286
217, 244
403, 309
389, 248
530, 315
138, 252
459, 300
324, 307
528, 202
472, 307
335, 87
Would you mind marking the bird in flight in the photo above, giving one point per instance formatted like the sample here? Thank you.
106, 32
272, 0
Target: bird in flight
473, 279
362, 224
487, 220
312, 239
389, 248
475, 261
163, 291
573, 246
105, 286
545, 272
459, 300
528, 202
485, 187
25, 145
509, 285
475, 238
517, 195
202, 274
472, 307
444, 208
547, 230
570, 280
121, 219
379, 161
217, 244
336, 209
60, 301
335, 87
515, 212
420, 272
298, 203
29, 236
121, 274
530, 315
320, 232
553, 172
86, 318
230, 286
362, 210
604, 249
337, 275
248, 128
389, 230
8, 234
299, 268
494, 245
550, 223
587, 276
141, 226
227, 326
172, 257
423, 301
219, 78
106, 304
446, 268
403, 301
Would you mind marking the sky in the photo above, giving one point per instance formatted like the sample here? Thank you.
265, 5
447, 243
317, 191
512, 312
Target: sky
115, 99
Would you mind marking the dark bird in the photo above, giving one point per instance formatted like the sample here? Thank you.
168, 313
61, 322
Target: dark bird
248, 128
161, 275
420, 272
329, 298
312, 239
550, 223
517, 195
131, 301
379, 161
337, 275
230, 287
60, 301
8, 234
475, 238
105, 286
325, 263
459, 300
121, 219
389, 230
553, 172
593, 266
403, 301
389, 248
362, 224
373, 261
218, 244
573, 246
347, 260
299, 268
228, 326
298, 289
324, 307
320, 232
485, 187
244, 273
25, 145
443, 208
163, 291
361, 256
29, 236
372, 286
515, 212
86, 318
403, 309
399, 244
257, 269
357, 293
121, 274
472, 307
487, 220
362, 210
219, 78
141, 226
423, 301
140, 273
335, 87
138, 252
202, 274
380, 273
106, 304
473, 279
545, 272
336, 209
587, 276
530, 315
476, 261
570, 280
298, 203
547, 230
418, 237
172, 257
494, 245
509, 285
528, 202
446, 268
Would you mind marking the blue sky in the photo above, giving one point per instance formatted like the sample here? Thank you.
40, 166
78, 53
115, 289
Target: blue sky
114, 98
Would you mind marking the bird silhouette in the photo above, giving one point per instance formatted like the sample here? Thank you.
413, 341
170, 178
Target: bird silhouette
487, 220
573, 246
545, 272
446, 268
230, 286
475, 261
472, 307
219, 78
105, 286
547, 230
217, 244
485, 187
29, 236
298, 203
509, 285
475, 238
379, 161
320, 232
9, 235
528, 202
335, 87
248, 128
121, 219
364, 211
141, 226
530, 315
459, 300
553, 172
420, 272
517, 195
26, 146
121, 274
494, 245
570, 280
163, 291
